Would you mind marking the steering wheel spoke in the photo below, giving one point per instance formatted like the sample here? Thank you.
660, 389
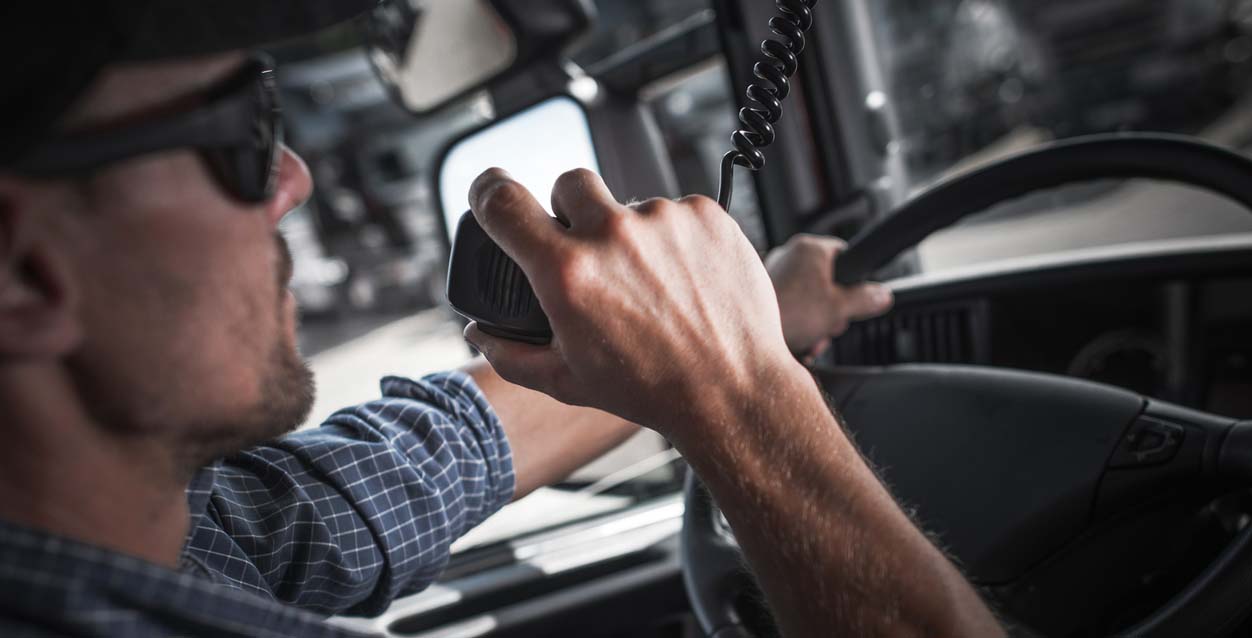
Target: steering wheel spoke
723, 576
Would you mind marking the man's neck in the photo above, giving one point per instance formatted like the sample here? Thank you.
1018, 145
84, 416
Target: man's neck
62, 473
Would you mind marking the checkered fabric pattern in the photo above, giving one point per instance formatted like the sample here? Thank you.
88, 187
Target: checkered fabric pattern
337, 519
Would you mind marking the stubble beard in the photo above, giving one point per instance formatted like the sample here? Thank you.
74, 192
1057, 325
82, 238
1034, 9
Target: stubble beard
287, 393
286, 399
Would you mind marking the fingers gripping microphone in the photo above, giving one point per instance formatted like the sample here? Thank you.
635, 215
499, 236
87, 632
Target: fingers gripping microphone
487, 286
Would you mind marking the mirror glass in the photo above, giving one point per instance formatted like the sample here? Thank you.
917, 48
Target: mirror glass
432, 51
536, 146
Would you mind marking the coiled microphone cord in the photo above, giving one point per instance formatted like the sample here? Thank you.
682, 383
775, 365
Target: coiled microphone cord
765, 98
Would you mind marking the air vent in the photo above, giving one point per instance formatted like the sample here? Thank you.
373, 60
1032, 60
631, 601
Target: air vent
950, 333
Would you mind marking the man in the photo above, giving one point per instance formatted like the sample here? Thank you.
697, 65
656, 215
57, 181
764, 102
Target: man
148, 361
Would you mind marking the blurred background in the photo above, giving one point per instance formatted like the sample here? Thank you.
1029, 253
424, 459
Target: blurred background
969, 81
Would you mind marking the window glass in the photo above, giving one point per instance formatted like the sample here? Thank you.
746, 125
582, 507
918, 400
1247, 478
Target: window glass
621, 23
696, 115
973, 80
535, 146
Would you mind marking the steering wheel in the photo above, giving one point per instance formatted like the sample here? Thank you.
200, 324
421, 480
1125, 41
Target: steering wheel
1023, 475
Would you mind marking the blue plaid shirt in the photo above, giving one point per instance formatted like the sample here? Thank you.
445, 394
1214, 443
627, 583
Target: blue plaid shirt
338, 519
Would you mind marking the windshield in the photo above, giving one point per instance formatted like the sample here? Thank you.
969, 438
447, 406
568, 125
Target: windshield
973, 80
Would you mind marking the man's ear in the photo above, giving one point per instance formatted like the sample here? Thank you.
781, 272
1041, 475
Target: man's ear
38, 301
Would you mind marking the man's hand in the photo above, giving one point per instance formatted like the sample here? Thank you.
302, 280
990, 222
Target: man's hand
662, 314
646, 302
815, 308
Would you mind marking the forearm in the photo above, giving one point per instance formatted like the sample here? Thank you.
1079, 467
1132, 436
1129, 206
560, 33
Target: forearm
549, 439
833, 552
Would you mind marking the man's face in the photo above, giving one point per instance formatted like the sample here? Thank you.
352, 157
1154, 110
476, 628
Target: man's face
188, 328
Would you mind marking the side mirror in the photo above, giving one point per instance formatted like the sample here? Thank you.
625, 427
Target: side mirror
433, 52
535, 145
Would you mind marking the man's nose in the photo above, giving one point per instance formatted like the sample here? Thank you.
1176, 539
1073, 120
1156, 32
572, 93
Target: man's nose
295, 185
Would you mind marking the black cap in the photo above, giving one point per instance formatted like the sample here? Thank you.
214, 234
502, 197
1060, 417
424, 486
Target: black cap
52, 50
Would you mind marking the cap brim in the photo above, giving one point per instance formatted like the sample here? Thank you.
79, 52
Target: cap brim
183, 29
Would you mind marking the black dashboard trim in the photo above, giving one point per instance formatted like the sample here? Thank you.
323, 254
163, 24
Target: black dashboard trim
1173, 258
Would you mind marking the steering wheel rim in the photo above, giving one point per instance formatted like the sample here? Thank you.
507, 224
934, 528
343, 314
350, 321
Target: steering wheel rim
710, 564
1173, 158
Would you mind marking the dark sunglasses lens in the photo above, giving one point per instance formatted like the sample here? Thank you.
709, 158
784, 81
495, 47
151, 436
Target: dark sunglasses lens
268, 137
250, 169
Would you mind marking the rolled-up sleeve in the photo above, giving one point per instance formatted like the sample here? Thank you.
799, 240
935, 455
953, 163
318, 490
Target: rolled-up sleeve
345, 517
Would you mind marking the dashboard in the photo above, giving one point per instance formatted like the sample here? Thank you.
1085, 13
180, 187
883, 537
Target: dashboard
1169, 319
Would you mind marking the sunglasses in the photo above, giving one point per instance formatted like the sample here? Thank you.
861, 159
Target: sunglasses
238, 132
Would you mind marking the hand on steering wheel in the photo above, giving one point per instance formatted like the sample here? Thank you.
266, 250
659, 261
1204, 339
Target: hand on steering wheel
814, 308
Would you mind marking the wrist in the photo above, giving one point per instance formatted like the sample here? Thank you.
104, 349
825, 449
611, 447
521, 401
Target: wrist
734, 406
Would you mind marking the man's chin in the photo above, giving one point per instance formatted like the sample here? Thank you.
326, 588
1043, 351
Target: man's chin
286, 401
289, 397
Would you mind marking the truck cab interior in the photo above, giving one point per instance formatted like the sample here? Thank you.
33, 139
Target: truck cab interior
1058, 193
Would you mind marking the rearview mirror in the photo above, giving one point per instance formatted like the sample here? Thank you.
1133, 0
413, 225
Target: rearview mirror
432, 51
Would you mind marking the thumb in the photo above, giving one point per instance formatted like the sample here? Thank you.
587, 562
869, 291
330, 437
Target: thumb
536, 367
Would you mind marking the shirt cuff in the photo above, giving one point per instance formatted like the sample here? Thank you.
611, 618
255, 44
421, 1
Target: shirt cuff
456, 394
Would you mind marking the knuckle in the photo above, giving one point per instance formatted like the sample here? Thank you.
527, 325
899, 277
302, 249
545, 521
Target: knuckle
709, 215
504, 195
576, 177
701, 204
616, 226
654, 206
811, 245
805, 241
